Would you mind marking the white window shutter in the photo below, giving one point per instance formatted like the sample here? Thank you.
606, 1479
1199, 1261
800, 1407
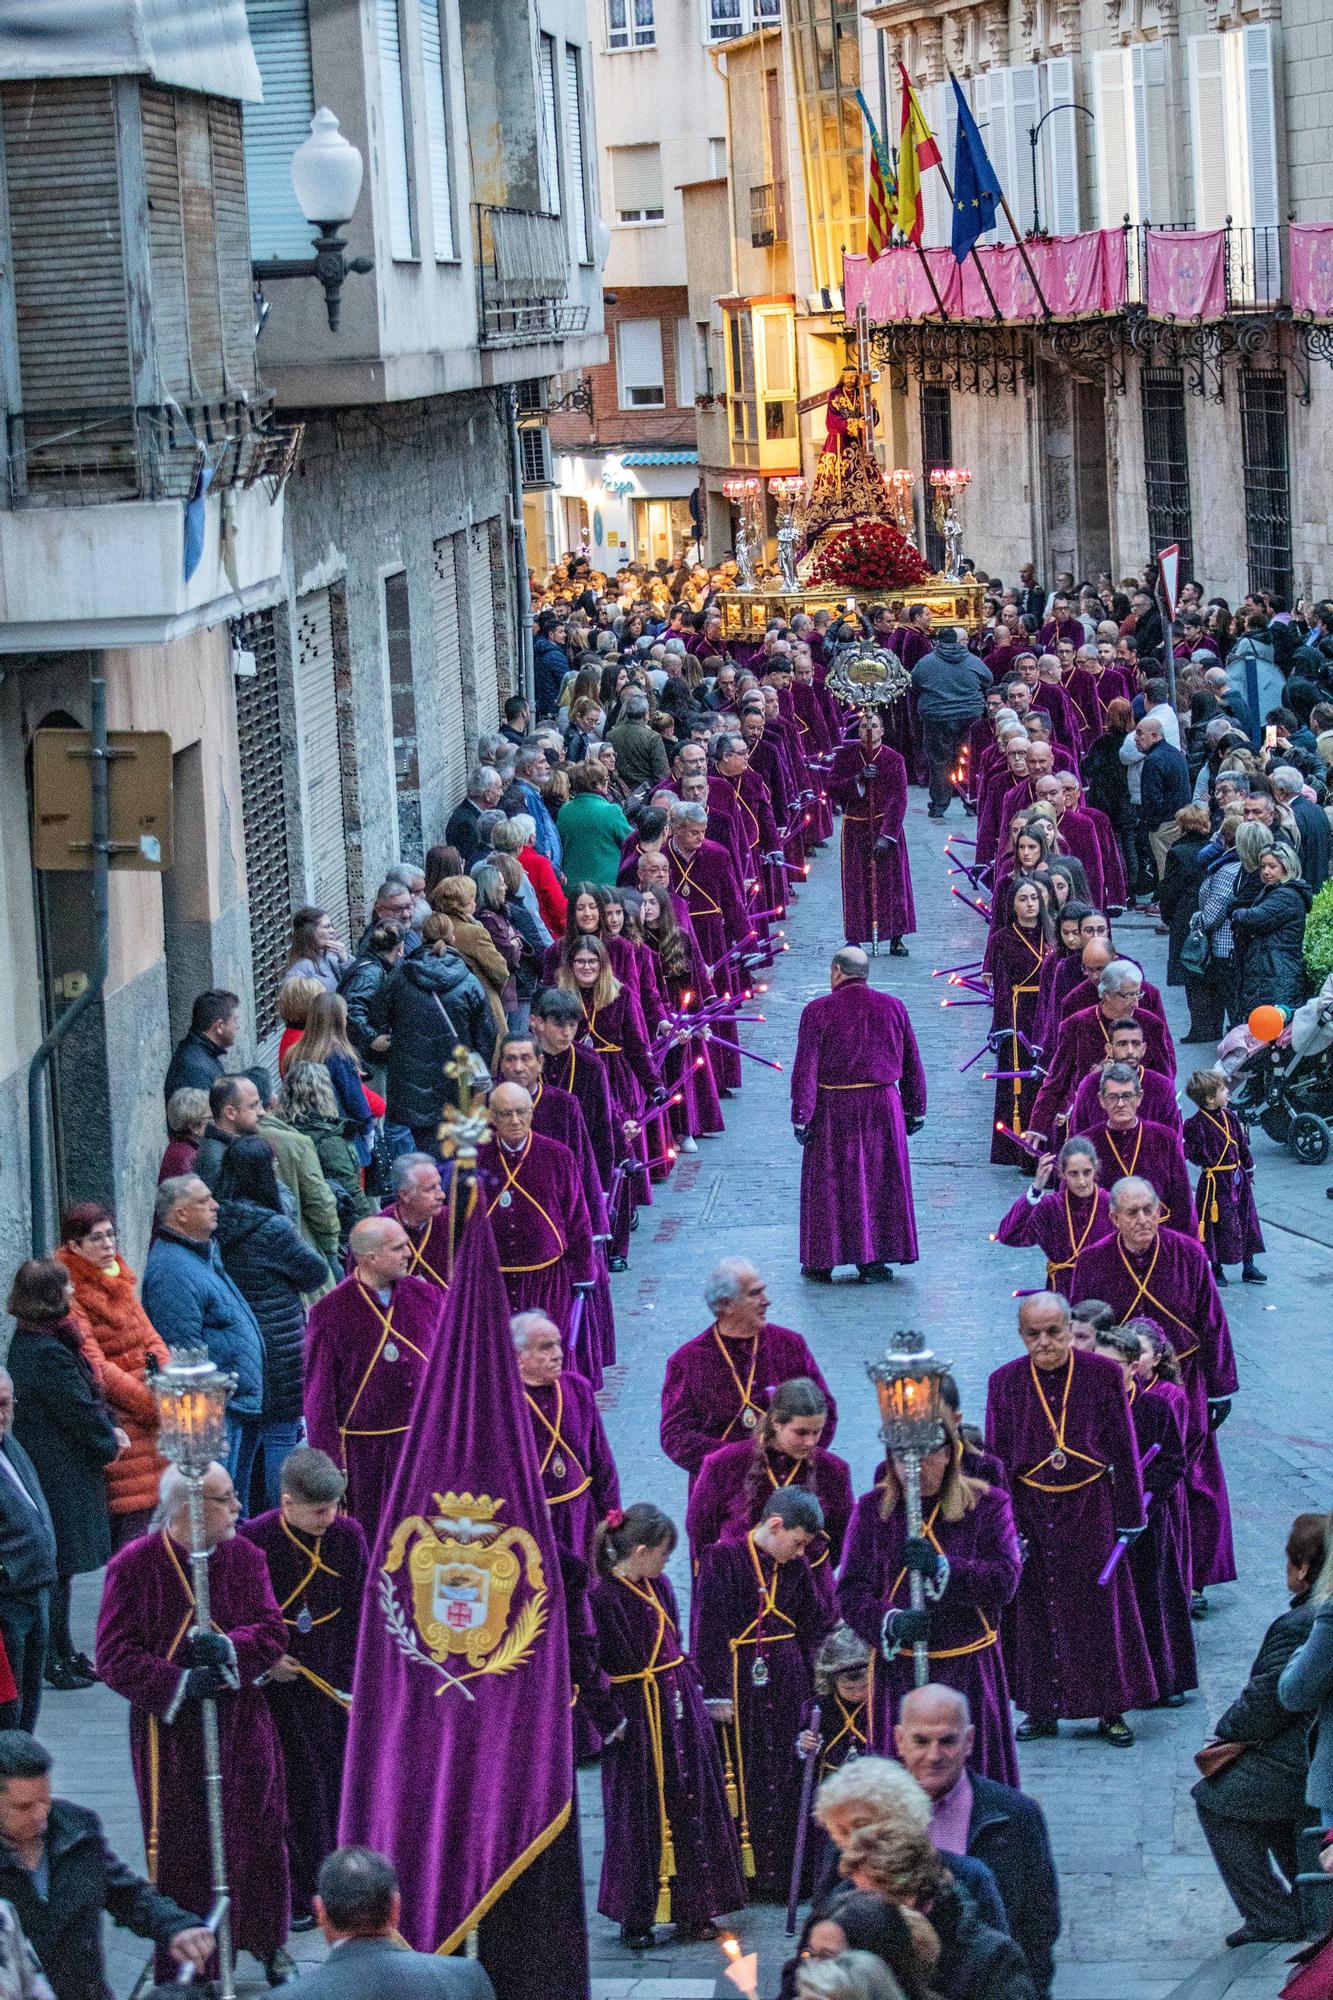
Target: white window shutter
1024, 111
1261, 126
998, 133
685, 386
1116, 196
937, 219
1152, 140
397, 173
550, 109
978, 93
577, 167
1061, 137
280, 35
437, 131
1209, 122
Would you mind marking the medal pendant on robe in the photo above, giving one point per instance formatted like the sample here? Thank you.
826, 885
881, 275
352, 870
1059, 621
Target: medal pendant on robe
558, 1466
678, 1705
390, 1351
748, 1418
759, 1672
1058, 1461
506, 1199
304, 1622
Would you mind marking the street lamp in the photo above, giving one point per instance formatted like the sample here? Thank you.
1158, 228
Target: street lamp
911, 1407
1034, 133
192, 1405
326, 177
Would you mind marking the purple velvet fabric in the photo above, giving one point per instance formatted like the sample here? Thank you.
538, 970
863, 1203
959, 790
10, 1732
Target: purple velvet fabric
1159, 1104
701, 1404
578, 1472
1228, 1219
1081, 1042
543, 1233
1057, 1224
876, 889
726, 1502
1154, 1153
1016, 958
1159, 1561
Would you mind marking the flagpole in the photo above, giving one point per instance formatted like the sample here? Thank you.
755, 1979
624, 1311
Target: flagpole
1022, 249
909, 101
888, 178
981, 269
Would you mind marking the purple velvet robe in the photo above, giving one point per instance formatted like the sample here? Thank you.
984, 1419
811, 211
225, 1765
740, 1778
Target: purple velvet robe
1082, 1042
985, 1562
688, 1070
726, 828
1159, 1561
319, 1584
737, 1636
876, 889
578, 1471
856, 1076
1016, 959
1173, 1285
656, 1688
1228, 1219
1060, 1224
1154, 1153
1083, 994
1000, 798
362, 1378
1083, 694
432, 1246
557, 1114
710, 1382
721, 1508
1108, 848
711, 889
1158, 1107
1080, 841
147, 1611
581, 1073
1059, 969
1073, 1648
543, 1234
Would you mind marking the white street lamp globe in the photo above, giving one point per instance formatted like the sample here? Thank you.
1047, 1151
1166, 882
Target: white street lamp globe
326, 172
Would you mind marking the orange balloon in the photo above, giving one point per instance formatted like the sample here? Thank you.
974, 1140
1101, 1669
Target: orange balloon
1266, 1023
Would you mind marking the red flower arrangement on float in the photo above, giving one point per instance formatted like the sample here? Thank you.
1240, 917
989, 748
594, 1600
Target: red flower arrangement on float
873, 555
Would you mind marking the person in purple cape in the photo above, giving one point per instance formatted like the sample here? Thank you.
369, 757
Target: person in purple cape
578, 1471
759, 1623
1216, 1143
1060, 1220
1158, 1103
1129, 1145
703, 875
868, 780
148, 1652
1158, 1559
1144, 1269
366, 1349
737, 1481
671, 1851
317, 1562
857, 1090
543, 1232
1059, 1420
969, 1526
759, 829
421, 1203
719, 1384
1084, 1039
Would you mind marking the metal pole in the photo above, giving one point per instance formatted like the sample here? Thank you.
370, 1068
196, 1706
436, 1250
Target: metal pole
208, 1717
518, 531
911, 1461
60, 1027
1033, 131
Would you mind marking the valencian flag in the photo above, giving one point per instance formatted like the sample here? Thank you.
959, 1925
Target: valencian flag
917, 152
976, 185
879, 191
460, 1753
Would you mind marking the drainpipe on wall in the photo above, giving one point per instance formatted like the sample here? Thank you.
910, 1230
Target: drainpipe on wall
518, 532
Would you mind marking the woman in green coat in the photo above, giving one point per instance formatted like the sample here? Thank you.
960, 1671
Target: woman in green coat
592, 828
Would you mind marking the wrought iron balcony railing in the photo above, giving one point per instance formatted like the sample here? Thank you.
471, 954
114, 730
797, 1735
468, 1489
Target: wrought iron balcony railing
768, 214
523, 274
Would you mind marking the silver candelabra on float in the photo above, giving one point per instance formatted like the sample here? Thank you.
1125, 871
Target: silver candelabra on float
743, 493
788, 490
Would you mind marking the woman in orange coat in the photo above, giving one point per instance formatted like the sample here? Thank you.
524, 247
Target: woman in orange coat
120, 1338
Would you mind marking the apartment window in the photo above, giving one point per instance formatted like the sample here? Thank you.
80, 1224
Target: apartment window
639, 372
630, 24
685, 387
1166, 463
576, 131
280, 35
717, 159
636, 179
741, 397
437, 131
393, 105
549, 161
1233, 124
1266, 464
1133, 134
725, 19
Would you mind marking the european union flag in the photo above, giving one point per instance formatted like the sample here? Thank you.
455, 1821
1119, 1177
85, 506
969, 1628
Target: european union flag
976, 188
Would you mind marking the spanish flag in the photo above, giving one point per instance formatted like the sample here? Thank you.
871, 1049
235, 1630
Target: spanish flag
917, 151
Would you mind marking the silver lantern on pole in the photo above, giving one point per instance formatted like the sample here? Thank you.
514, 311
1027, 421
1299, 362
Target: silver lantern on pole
192, 1406
908, 1381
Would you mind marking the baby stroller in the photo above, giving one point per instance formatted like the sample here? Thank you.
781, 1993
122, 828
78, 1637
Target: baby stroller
1286, 1087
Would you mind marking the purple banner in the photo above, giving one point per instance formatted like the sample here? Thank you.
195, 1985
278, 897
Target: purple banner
1186, 274
1312, 269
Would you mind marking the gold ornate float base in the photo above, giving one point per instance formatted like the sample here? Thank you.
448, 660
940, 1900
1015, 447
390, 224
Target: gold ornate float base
747, 613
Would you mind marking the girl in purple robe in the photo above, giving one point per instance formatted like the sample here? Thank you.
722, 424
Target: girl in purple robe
737, 1481
971, 1525
684, 979
1017, 956
1061, 1221
614, 1027
671, 1849
760, 1622
1062, 967
1215, 1141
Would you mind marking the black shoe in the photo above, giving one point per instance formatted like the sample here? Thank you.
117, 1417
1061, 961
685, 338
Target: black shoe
1115, 1730
65, 1678
280, 1970
637, 1940
1198, 1605
1247, 1936
83, 1665
303, 1923
1193, 1040
1220, 1278
897, 949
816, 1277
936, 812
1032, 1727
617, 1263
634, 1221
703, 1933
1170, 1701
875, 1274
1252, 1275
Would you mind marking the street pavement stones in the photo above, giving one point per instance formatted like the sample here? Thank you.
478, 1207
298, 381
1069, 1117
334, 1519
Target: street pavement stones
1144, 1914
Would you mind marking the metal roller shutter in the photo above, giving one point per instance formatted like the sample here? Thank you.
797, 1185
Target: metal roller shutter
264, 815
280, 36
485, 664
445, 622
321, 772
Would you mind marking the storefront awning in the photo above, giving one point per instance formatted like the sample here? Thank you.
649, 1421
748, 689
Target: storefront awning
659, 458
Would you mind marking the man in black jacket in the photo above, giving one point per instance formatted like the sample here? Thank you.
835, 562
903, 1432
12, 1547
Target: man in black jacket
27, 1567
1164, 788
59, 1874
989, 1822
198, 1057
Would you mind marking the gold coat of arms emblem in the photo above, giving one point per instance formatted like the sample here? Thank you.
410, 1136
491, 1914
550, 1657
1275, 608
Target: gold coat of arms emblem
461, 1588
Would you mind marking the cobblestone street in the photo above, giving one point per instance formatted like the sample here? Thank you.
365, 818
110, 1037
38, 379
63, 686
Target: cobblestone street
1143, 1908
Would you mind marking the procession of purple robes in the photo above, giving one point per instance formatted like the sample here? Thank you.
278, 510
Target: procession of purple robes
578, 1472
964, 1646
712, 1381
1229, 1230
541, 1226
319, 1583
1083, 994
1082, 1041
758, 1625
1073, 1648
1148, 1152
142, 1654
735, 1481
1016, 959
1059, 1223
665, 1767
1158, 1104
557, 1114
365, 1357
432, 1242
855, 1079
876, 888
1173, 1284
1159, 1559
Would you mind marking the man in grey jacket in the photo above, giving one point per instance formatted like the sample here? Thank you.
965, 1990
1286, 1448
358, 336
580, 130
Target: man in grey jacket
950, 687
357, 1905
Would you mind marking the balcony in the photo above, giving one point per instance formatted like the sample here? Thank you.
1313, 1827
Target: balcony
88, 457
768, 215
523, 278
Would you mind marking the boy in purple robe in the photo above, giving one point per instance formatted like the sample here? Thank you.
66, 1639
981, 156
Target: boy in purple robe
1158, 1103
578, 1471
719, 1384
1145, 1271
148, 1652
869, 781
857, 1090
1061, 1221
570, 1065
1084, 1039
317, 1562
1216, 1143
702, 875
971, 1526
759, 1624
367, 1343
671, 1852
1127, 1144
1059, 1420
540, 1220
